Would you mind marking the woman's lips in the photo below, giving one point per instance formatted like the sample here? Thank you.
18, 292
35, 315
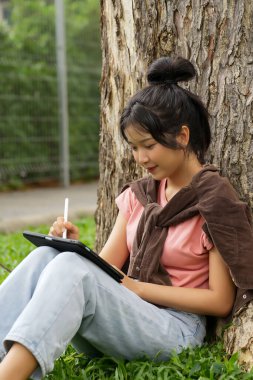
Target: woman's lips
151, 169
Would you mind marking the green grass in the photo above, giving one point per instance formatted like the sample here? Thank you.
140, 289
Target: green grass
206, 362
202, 363
14, 247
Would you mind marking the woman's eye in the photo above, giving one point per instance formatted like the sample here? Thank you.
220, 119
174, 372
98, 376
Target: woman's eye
135, 148
150, 146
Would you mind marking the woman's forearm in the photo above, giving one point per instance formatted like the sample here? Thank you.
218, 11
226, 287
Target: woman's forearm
200, 301
217, 300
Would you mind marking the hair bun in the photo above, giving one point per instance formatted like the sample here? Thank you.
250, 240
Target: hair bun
168, 70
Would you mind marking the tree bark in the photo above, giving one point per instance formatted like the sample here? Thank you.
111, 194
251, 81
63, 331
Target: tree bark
217, 36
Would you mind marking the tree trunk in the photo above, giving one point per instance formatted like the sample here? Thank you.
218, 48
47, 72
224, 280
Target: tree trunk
217, 37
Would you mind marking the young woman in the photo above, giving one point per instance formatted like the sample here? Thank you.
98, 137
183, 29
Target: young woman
171, 226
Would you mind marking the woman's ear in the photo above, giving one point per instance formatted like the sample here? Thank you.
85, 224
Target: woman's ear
183, 136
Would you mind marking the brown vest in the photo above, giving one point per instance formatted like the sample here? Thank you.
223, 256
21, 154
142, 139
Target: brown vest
228, 225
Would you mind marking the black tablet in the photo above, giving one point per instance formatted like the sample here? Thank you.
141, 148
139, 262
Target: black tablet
69, 245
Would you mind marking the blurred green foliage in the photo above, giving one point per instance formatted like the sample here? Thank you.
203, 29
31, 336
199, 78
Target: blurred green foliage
29, 116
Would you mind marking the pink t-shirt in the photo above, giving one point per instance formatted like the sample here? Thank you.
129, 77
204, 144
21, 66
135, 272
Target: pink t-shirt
186, 250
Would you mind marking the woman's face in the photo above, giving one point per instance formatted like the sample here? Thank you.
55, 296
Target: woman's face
160, 161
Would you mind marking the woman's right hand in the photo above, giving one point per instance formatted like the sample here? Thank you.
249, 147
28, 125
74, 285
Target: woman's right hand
59, 226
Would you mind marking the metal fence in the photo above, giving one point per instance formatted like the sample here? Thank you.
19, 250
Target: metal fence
30, 138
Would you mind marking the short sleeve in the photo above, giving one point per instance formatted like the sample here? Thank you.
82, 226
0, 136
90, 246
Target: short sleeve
207, 244
126, 202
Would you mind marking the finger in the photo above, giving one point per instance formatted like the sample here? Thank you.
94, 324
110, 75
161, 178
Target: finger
51, 231
54, 232
57, 228
71, 227
60, 219
72, 230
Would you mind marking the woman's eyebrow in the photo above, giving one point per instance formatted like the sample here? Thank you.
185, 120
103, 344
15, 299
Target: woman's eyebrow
140, 141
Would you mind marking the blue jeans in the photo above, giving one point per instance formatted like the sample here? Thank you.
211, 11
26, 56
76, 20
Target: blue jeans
53, 299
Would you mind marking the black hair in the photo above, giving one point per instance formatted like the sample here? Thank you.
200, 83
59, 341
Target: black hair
163, 107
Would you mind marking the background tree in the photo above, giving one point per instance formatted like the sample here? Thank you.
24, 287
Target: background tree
218, 38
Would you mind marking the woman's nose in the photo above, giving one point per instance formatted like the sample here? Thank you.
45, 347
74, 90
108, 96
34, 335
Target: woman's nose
142, 157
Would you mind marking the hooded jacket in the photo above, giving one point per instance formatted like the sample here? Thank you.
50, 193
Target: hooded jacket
228, 225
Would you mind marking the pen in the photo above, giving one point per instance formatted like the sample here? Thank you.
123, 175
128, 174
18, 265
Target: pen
66, 208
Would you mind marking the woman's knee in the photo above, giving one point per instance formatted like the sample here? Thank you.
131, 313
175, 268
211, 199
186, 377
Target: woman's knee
68, 259
66, 269
41, 256
69, 264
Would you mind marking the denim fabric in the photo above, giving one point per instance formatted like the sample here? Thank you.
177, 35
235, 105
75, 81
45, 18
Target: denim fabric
51, 299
